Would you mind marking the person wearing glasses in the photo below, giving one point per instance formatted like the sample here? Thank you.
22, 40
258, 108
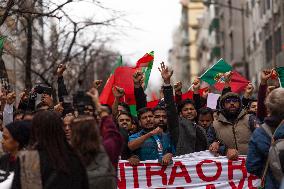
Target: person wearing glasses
232, 128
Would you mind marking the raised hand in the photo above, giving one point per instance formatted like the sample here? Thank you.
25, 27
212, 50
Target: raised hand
205, 93
166, 73
265, 75
97, 83
178, 87
249, 90
11, 97
196, 85
138, 78
60, 70
118, 92
59, 108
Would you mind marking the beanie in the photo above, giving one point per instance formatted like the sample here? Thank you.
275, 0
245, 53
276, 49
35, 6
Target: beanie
20, 131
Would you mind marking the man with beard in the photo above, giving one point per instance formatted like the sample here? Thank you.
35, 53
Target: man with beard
160, 117
151, 142
232, 128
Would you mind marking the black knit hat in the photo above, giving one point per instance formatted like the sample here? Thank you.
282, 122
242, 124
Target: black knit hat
20, 131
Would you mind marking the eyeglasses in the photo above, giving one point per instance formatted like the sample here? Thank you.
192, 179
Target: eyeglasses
229, 100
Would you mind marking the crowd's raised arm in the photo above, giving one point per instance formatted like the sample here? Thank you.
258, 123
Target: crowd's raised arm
79, 144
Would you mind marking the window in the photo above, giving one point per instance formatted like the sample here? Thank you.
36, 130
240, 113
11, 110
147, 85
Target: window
252, 3
268, 49
278, 41
230, 13
267, 4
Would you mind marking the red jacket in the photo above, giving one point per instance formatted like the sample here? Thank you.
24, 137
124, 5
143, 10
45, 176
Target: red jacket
112, 140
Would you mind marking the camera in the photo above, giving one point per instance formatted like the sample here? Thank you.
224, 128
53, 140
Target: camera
40, 89
81, 101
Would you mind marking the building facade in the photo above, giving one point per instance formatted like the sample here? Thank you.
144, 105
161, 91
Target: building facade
207, 39
266, 31
183, 55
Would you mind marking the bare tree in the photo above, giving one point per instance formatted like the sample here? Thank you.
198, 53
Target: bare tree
49, 44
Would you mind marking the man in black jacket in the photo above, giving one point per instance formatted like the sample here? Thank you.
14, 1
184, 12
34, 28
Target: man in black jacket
184, 132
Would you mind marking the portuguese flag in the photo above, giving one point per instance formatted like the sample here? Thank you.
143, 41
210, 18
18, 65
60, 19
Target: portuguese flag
122, 77
217, 72
146, 64
280, 72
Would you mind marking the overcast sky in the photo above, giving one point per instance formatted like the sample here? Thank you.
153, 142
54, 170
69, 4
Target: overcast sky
155, 19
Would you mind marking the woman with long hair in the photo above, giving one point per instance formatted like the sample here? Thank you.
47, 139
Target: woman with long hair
58, 165
86, 141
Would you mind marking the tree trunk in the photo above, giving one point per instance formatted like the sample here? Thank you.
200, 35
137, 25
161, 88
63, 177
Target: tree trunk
28, 78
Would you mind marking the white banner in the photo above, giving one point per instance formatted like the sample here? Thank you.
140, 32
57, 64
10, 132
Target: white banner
197, 170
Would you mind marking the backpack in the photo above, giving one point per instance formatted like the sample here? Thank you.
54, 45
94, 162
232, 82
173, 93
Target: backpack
274, 160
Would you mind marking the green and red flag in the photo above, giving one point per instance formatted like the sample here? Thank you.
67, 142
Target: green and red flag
217, 72
280, 72
238, 83
122, 77
106, 97
146, 64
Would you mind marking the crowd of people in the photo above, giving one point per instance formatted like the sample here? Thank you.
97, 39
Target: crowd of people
79, 144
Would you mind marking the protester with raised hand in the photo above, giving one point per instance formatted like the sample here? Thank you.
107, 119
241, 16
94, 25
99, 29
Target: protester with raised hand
52, 162
87, 142
261, 140
262, 93
178, 92
139, 94
112, 140
9, 109
118, 93
182, 129
247, 95
62, 90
